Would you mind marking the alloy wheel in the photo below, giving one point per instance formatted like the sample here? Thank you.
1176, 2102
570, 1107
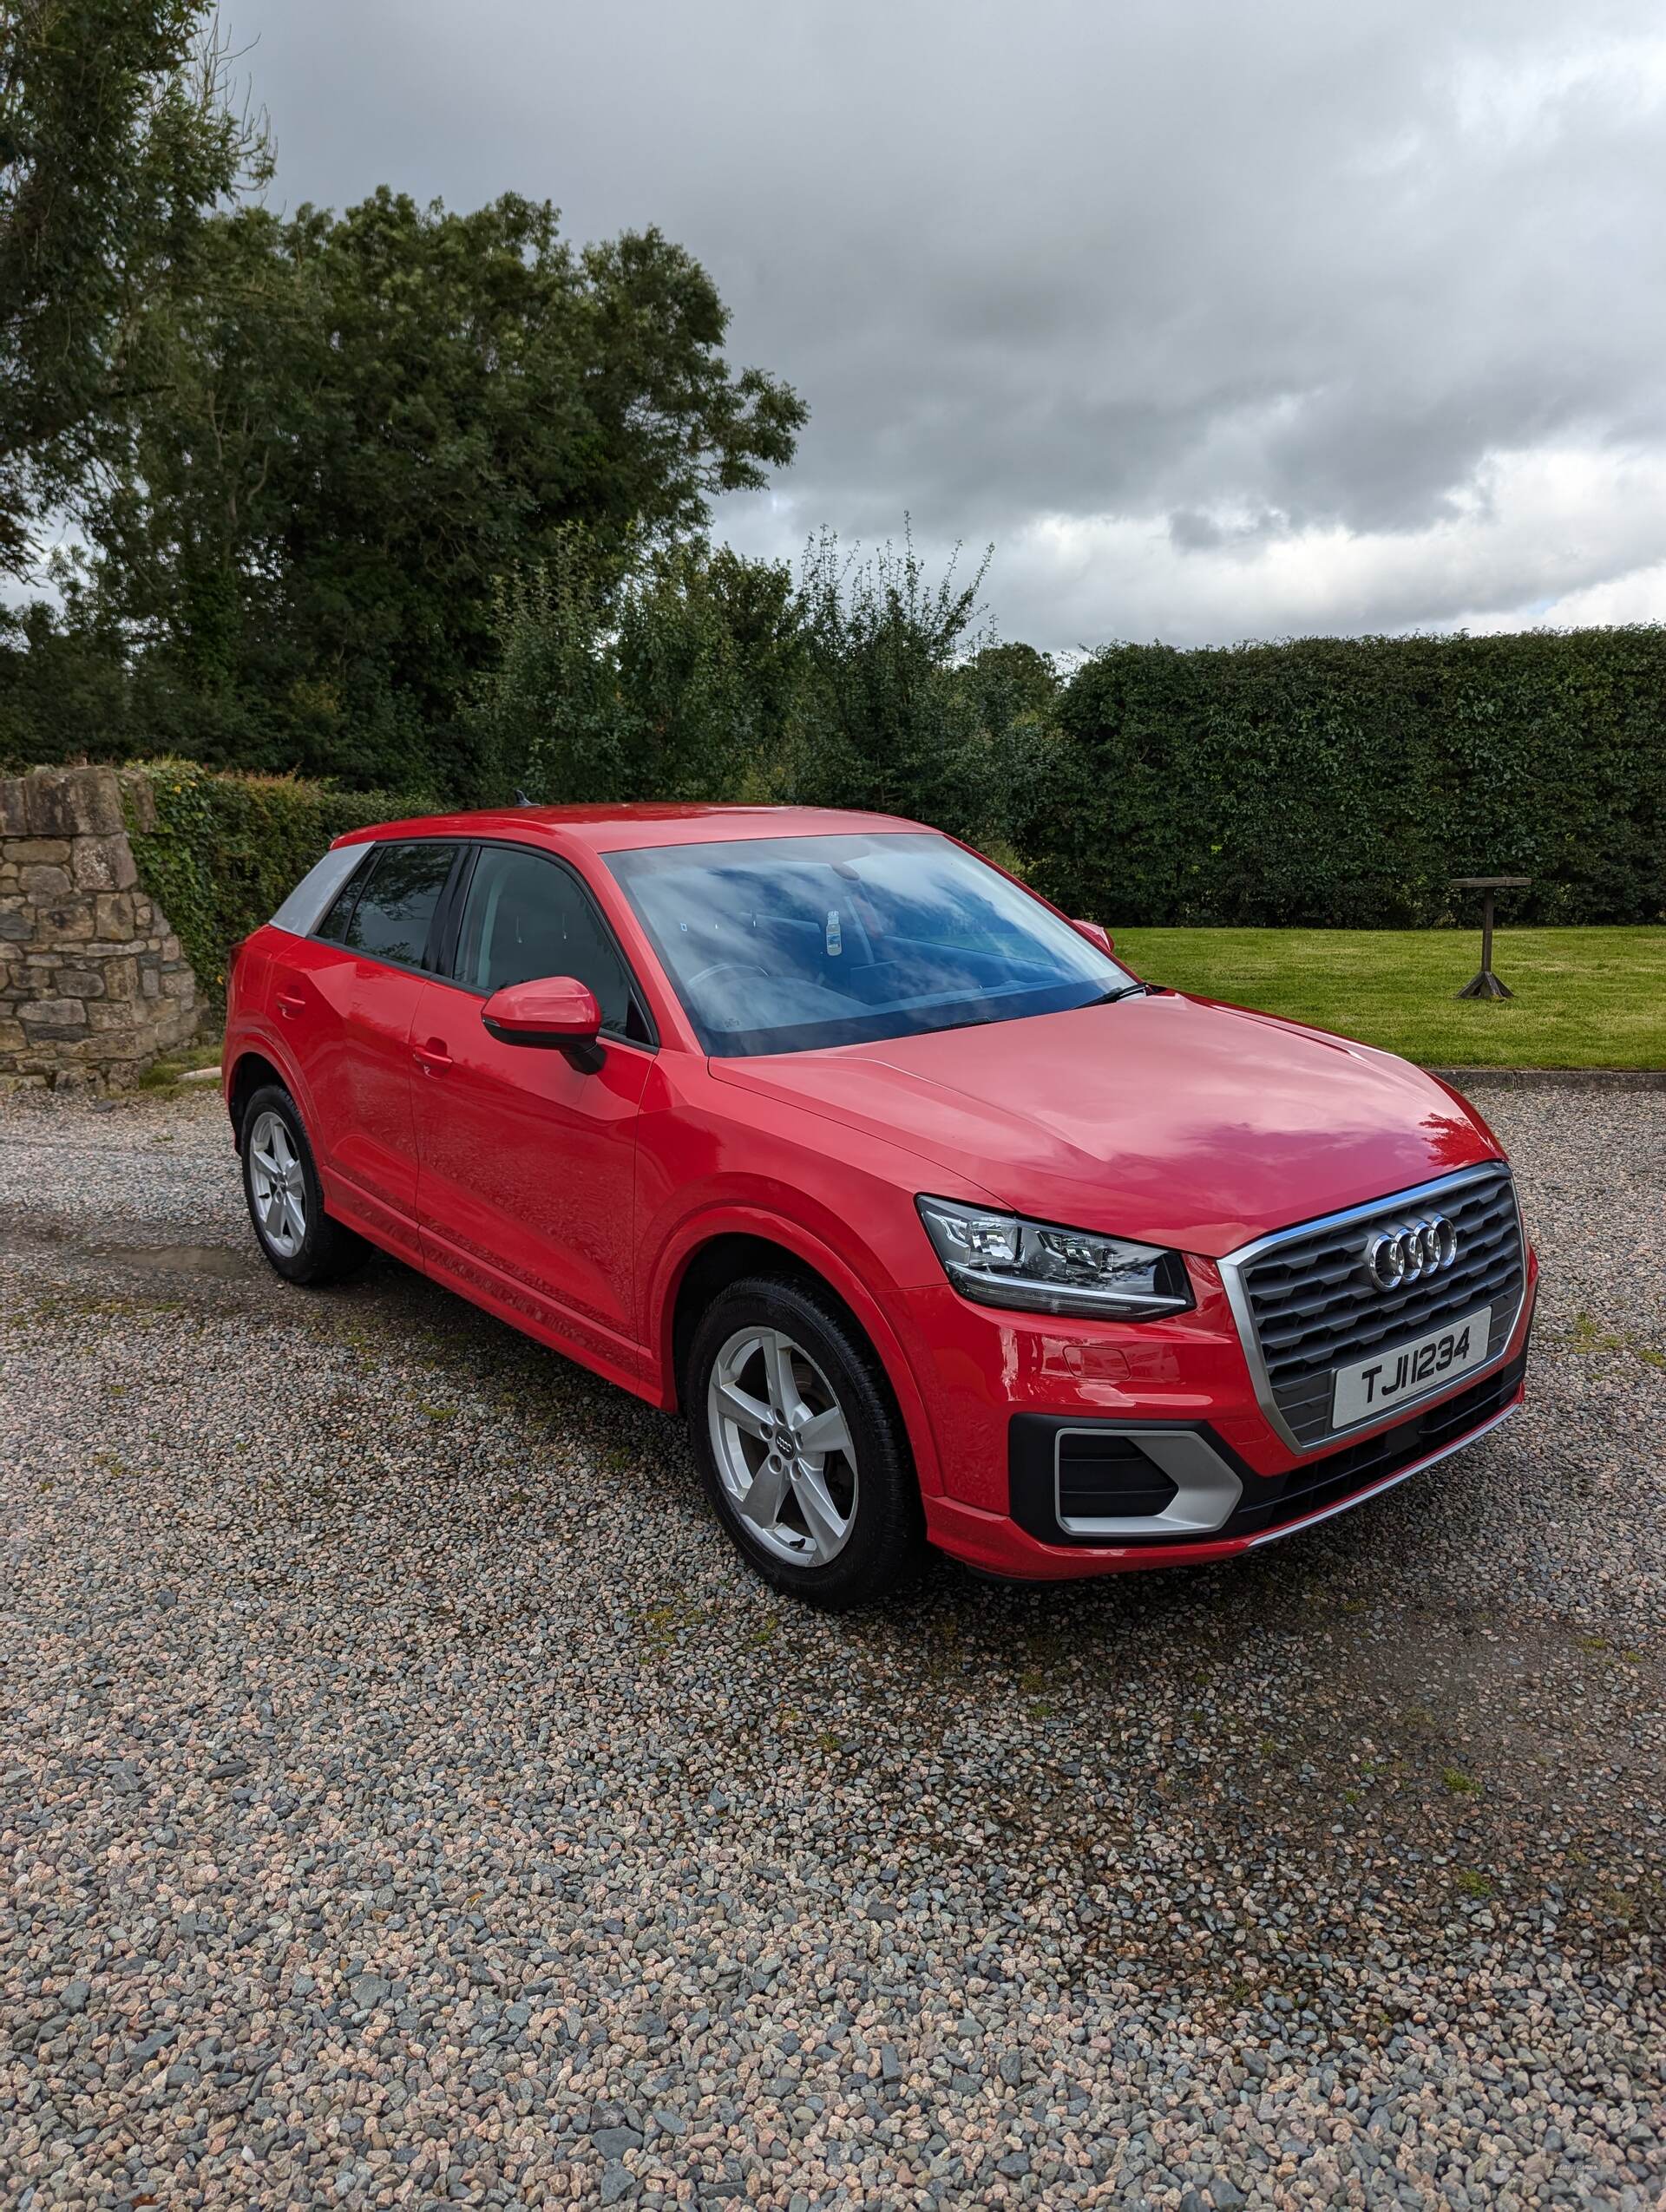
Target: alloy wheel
277, 1185
784, 1447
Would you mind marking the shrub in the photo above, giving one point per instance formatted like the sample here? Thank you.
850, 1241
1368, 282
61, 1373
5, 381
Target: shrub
690, 673
887, 721
226, 849
1345, 782
668, 673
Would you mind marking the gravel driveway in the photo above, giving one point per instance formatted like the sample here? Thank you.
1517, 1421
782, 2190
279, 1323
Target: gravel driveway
407, 1797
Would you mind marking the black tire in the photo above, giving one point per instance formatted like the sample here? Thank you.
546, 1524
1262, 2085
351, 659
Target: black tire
327, 1252
887, 1536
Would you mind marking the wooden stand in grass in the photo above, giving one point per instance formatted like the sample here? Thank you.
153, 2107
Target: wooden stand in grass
1487, 984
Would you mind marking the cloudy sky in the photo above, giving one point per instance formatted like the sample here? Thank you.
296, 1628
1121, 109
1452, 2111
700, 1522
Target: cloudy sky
1220, 319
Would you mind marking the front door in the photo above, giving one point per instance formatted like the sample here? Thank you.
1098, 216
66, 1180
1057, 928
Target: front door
525, 1194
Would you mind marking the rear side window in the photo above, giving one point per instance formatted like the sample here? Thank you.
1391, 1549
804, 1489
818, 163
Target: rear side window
396, 903
333, 927
526, 918
319, 890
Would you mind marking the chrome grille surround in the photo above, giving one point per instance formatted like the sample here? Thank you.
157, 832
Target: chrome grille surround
1304, 1305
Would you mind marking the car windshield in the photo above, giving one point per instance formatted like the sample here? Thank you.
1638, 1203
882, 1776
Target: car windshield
790, 944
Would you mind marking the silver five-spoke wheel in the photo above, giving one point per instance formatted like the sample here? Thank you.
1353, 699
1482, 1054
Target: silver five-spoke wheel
278, 1186
783, 1447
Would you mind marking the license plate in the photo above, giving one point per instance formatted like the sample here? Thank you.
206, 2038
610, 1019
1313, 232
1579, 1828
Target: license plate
1373, 1388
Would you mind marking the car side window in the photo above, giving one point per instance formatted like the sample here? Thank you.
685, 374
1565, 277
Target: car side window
526, 918
395, 910
333, 927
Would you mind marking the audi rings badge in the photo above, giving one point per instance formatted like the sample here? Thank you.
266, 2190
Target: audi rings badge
1397, 1257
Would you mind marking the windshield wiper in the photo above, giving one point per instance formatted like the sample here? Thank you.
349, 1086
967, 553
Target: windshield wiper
1122, 991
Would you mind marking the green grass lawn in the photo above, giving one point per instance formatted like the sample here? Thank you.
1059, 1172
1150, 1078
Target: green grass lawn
1585, 998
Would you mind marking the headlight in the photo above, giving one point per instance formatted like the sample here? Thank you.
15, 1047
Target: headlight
1002, 1260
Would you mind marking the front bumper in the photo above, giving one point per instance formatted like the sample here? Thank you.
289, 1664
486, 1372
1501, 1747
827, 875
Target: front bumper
1012, 1397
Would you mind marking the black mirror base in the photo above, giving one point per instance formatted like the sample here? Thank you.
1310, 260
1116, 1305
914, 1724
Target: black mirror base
584, 1053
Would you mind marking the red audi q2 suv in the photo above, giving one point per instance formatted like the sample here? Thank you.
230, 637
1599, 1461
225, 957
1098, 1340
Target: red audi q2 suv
938, 1224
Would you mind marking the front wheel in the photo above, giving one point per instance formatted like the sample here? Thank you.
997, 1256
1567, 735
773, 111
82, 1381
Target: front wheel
800, 1446
285, 1199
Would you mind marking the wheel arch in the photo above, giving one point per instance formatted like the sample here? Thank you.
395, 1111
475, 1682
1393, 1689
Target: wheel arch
718, 1254
250, 1071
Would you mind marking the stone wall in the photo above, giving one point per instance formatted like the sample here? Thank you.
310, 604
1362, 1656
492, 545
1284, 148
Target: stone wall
93, 985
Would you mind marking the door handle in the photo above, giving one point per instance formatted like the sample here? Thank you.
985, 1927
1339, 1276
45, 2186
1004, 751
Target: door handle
432, 1058
291, 1002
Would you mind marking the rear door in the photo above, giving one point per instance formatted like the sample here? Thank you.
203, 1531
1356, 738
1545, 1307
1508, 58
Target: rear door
345, 999
528, 1189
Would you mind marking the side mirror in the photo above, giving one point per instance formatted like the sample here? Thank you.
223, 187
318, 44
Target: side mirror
1097, 934
555, 1013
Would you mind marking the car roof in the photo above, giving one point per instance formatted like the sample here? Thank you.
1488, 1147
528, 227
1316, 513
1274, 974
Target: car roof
626, 827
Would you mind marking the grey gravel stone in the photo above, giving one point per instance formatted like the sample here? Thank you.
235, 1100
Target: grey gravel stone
474, 1829
613, 2142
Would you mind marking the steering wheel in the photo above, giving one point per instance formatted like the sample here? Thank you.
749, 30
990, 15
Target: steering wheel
734, 967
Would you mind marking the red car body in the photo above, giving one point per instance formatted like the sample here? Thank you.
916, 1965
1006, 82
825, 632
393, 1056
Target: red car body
587, 1205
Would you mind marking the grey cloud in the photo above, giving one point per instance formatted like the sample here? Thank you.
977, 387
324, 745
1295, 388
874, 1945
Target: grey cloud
1253, 272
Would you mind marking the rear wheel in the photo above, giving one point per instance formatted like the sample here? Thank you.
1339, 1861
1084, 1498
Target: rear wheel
285, 1199
801, 1448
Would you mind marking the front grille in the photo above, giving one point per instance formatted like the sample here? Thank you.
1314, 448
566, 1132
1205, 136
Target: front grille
1313, 1308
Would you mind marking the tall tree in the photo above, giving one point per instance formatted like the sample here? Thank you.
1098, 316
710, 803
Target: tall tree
361, 422
117, 136
672, 675
888, 723
1012, 679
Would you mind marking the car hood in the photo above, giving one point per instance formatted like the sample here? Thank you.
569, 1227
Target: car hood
1173, 1120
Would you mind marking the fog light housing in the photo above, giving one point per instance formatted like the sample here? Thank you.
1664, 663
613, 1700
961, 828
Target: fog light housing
1102, 1477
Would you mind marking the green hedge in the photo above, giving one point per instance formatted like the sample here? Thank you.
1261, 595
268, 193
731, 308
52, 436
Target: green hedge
226, 849
1345, 782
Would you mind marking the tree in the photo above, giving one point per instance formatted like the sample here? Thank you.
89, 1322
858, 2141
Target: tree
59, 681
117, 136
360, 424
674, 676
888, 725
1012, 679
681, 672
